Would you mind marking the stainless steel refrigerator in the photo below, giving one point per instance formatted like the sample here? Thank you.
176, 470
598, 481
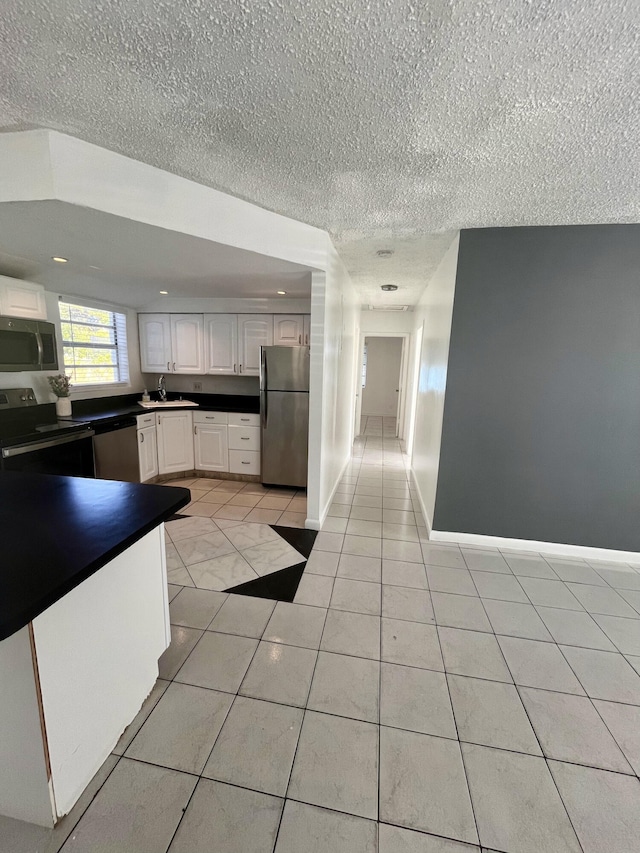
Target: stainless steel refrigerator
284, 415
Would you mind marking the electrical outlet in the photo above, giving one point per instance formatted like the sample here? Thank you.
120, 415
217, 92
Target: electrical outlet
197, 386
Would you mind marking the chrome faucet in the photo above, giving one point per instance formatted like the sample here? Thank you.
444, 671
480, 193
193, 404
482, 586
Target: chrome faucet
162, 388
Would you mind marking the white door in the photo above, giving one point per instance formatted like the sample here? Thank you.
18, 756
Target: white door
254, 331
221, 343
175, 442
288, 330
187, 343
22, 299
155, 343
211, 447
306, 329
147, 453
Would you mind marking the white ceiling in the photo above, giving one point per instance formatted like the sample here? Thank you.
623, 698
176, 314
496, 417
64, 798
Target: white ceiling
390, 124
135, 260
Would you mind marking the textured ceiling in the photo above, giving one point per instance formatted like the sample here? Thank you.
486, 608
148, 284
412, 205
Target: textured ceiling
390, 124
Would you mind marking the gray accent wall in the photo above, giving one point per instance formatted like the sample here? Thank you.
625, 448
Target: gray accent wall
541, 428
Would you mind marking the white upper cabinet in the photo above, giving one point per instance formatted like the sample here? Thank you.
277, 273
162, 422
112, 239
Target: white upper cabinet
221, 344
254, 331
306, 330
288, 330
155, 343
187, 343
22, 299
171, 343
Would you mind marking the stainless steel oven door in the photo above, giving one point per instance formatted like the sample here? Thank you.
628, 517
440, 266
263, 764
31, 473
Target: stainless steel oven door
70, 455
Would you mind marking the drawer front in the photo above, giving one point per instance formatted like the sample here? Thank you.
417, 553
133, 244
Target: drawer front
210, 417
244, 438
244, 419
146, 420
244, 462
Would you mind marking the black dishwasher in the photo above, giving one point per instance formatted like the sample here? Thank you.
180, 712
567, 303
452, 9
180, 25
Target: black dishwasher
115, 449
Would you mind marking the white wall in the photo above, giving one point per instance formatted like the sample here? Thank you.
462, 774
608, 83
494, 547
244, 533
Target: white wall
335, 312
38, 379
379, 396
434, 313
386, 322
48, 164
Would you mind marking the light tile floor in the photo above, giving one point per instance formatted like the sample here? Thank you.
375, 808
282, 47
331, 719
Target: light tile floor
232, 500
415, 698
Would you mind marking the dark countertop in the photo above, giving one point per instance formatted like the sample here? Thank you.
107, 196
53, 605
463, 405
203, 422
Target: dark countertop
206, 402
55, 532
26, 423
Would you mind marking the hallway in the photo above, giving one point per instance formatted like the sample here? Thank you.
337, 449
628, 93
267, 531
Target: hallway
415, 698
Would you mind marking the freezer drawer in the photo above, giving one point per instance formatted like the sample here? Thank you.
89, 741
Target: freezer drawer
244, 462
285, 438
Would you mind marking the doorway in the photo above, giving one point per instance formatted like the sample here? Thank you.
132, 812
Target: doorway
380, 396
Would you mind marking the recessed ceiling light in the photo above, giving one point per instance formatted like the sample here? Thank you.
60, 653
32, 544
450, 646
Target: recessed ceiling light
384, 253
164, 292
388, 287
282, 293
60, 260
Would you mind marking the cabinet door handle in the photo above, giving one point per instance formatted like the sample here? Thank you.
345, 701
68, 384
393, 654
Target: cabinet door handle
299, 339
244, 438
244, 419
240, 368
174, 367
234, 367
141, 438
169, 366
246, 463
306, 340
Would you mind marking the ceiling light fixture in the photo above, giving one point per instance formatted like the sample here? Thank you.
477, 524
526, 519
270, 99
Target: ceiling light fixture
384, 253
164, 292
388, 287
282, 292
59, 260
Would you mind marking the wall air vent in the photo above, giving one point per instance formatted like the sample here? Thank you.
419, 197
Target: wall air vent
389, 307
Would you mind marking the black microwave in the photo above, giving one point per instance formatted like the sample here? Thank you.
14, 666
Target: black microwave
27, 345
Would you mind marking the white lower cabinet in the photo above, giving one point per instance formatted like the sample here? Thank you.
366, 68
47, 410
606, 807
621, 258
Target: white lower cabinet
148, 453
175, 442
200, 441
211, 447
244, 462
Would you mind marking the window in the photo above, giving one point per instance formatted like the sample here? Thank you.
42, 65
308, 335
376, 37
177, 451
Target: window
95, 345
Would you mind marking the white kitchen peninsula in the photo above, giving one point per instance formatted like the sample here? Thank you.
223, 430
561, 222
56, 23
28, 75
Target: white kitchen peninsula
83, 621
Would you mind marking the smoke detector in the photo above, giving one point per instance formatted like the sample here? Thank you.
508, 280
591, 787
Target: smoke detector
388, 288
384, 253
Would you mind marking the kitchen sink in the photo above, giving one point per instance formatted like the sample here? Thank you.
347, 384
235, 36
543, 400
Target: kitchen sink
167, 404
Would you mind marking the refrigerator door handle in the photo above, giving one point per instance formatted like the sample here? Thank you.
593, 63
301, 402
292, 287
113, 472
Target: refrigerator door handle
263, 369
263, 408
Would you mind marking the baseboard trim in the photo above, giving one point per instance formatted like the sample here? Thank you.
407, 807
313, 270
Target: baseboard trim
559, 549
423, 510
315, 523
